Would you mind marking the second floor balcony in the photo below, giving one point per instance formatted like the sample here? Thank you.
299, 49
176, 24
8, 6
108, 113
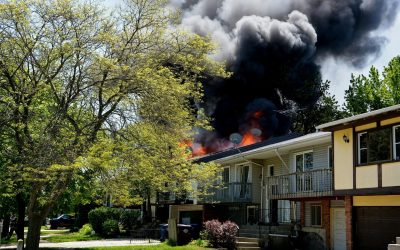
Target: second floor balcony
314, 183
231, 192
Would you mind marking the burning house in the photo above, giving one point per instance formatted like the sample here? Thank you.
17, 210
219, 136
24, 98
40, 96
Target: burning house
275, 50
272, 176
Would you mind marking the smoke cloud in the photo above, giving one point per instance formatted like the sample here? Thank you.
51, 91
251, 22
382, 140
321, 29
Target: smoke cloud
274, 49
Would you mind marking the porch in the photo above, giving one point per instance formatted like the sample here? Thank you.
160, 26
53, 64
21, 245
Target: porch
231, 192
313, 183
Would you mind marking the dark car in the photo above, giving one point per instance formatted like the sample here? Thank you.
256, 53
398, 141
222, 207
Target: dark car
63, 220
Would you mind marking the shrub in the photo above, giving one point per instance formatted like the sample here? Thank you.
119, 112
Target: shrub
129, 219
199, 243
86, 230
110, 228
220, 234
230, 231
99, 215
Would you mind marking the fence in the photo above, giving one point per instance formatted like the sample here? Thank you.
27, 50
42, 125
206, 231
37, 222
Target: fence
231, 192
312, 183
148, 235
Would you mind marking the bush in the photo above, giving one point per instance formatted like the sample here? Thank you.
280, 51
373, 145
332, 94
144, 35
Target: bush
220, 235
129, 219
99, 215
110, 228
199, 243
86, 230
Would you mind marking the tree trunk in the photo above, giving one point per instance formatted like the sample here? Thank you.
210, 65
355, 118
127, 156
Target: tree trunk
6, 226
148, 203
21, 204
33, 237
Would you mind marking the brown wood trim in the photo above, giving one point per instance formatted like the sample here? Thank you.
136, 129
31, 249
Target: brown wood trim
333, 159
355, 157
369, 191
380, 175
377, 118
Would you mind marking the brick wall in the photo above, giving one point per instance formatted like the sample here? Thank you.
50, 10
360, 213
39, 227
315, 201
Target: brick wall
326, 221
348, 204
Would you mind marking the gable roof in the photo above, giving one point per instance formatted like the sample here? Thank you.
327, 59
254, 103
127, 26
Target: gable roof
291, 140
330, 126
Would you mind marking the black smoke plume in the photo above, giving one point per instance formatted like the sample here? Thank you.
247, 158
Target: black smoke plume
274, 49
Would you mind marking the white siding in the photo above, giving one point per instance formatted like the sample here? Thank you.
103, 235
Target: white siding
256, 183
320, 156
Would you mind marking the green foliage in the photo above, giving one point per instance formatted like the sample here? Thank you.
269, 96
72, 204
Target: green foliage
72, 237
325, 109
99, 215
199, 242
110, 228
129, 218
86, 230
94, 102
375, 91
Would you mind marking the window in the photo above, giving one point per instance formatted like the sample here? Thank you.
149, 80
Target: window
316, 215
283, 211
271, 170
304, 161
396, 142
225, 175
374, 146
362, 148
330, 157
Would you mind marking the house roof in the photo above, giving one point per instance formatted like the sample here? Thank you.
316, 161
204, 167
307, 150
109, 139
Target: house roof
365, 116
258, 150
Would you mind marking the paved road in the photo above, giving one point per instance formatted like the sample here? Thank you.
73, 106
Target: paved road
91, 243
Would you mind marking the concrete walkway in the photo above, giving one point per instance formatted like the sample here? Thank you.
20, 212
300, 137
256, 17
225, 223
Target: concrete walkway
92, 243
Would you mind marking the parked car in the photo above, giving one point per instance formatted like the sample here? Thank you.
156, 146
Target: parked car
63, 220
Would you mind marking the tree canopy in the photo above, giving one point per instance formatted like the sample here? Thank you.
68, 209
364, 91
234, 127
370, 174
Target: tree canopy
375, 91
106, 96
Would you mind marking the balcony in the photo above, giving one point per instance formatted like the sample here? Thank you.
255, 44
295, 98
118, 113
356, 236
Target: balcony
314, 183
231, 192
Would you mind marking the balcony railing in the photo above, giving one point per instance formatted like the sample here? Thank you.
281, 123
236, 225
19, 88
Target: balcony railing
314, 183
230, 192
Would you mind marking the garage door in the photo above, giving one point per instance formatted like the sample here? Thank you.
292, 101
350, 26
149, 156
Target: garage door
339, 229
375, 227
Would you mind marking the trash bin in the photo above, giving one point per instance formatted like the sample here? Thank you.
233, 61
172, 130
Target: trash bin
196, 228
184, 234
163, 232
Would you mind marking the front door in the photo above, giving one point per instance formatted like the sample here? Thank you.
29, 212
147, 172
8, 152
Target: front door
251, 215
339, 228
303, 164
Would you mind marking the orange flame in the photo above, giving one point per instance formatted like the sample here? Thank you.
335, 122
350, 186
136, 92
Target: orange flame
196, 148
249, 138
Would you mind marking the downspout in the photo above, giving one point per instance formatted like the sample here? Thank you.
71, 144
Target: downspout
262, 190
280, 158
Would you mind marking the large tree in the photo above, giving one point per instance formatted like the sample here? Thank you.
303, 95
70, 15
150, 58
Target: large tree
325, 109
78, 86
375, 91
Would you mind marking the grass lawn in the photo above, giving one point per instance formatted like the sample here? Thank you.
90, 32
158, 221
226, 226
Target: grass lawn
53, 232
67, 236
58, 235
156, 247
13, 239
